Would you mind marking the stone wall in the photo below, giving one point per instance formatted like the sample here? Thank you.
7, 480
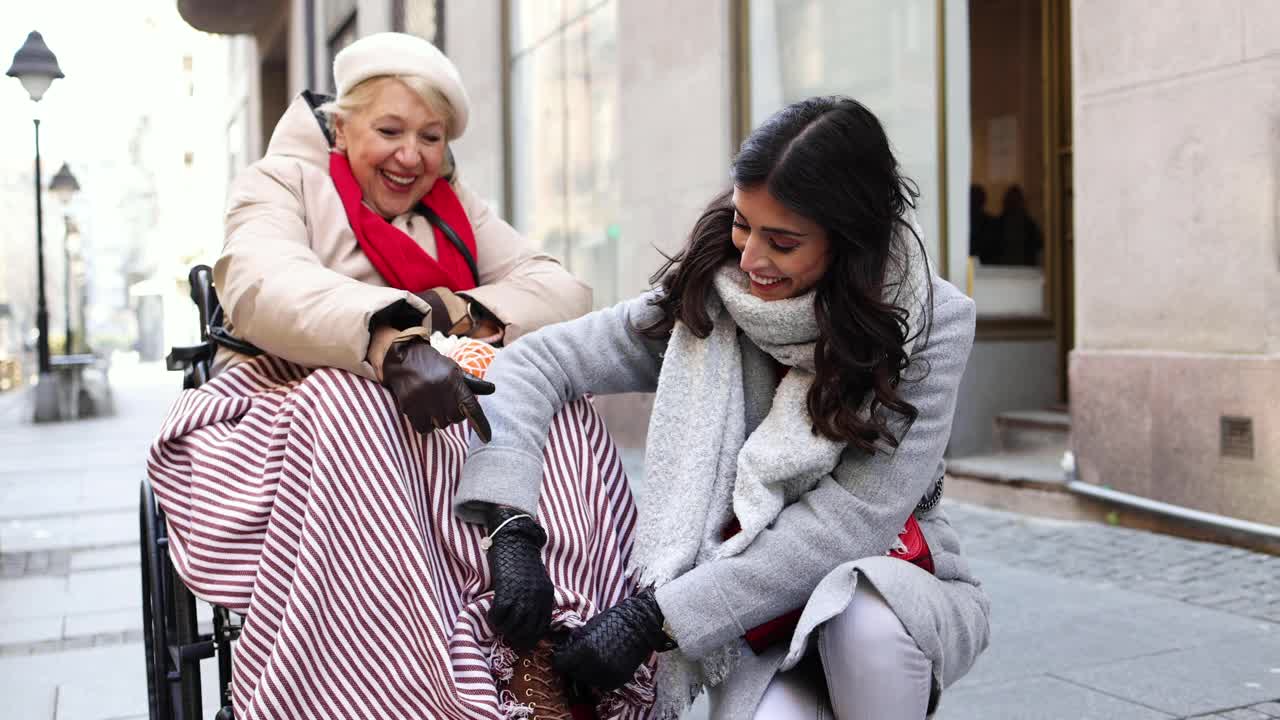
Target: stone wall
1177, 153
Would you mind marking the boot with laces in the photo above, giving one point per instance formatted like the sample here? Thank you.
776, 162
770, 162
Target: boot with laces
535, 688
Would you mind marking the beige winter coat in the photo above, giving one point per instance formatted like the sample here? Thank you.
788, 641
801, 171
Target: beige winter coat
294, 282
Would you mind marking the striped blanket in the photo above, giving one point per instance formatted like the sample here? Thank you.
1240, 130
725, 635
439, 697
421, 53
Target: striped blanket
304, 500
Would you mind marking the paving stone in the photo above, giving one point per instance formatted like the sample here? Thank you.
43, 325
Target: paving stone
31, 701
89, 624
108, 529
77, 643
25, 632
1245, 714
102, 590
1041, 698
117, 638
37, 562
33, 597
114, 692
24, 536
1110, 632
1272, 709
50, 496
59, 563
1205, 679
117, 557
13, 565
42, 562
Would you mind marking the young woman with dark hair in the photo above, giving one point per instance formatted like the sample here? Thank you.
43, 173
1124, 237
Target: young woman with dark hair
806, 363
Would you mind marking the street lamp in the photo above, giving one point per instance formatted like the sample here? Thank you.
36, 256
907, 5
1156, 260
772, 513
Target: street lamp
70, 255
65, 186
36, 68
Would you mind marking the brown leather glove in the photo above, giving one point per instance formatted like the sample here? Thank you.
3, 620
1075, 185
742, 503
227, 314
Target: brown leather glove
431, 390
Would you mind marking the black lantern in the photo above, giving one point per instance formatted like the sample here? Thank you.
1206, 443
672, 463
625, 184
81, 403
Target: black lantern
35, 66
64, 184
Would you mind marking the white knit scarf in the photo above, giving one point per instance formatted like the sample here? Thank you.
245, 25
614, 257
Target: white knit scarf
702, 468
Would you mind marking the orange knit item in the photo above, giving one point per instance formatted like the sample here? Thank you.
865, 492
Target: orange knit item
473, 356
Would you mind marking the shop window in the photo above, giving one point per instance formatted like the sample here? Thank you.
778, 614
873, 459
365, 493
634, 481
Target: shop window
564, 135
424, 18
1008, 194
883, 54
340, 30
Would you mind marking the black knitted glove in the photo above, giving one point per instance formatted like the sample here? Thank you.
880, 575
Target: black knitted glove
522, 591
606, 652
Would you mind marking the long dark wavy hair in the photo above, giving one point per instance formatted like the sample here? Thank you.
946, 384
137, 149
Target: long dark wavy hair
828, 159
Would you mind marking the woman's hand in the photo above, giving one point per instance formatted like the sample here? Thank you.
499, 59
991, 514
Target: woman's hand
606, 652
522, 592
431, 390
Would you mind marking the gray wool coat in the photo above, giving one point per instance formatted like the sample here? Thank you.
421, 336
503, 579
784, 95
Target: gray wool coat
819, 547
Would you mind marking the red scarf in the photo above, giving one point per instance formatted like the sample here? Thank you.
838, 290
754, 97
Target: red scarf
397, 257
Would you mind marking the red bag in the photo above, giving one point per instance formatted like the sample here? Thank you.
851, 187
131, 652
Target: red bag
914, 549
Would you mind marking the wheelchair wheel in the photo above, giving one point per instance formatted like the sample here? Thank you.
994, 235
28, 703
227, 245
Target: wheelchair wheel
187, 649
153, 607
170, 634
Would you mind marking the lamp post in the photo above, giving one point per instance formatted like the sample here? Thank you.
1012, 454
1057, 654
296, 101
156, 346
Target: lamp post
65, 186
36, 68
70, 254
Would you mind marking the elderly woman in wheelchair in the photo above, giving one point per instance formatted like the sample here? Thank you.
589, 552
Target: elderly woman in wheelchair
308, 484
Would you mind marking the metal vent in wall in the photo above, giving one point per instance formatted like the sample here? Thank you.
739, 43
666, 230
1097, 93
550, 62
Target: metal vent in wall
1236, 437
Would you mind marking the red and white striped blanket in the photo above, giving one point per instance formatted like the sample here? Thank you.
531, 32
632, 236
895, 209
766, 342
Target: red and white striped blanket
304, 500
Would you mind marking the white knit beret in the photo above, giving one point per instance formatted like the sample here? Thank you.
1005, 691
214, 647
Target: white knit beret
391, 53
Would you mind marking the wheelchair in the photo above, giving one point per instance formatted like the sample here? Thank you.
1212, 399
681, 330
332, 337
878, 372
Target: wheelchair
174, 645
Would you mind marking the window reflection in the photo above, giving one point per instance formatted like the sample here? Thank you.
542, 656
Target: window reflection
883, 54
565, 124
423, 18
1007, 195
340, 29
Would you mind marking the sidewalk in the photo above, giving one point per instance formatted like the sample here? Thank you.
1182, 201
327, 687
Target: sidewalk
1089, 621
70, 616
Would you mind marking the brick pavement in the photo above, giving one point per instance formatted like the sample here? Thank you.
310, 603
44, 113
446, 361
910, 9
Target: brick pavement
1204, 574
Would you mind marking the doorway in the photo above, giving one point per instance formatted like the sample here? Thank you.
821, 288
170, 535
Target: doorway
1020, 197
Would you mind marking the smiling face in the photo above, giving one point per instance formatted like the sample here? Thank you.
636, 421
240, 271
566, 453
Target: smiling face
396, 147
783, 253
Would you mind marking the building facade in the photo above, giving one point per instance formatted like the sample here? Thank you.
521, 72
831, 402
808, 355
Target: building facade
601, 128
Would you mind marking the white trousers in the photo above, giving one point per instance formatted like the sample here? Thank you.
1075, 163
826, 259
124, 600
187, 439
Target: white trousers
868, 668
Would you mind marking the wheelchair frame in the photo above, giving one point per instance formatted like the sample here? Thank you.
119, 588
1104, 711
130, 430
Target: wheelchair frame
172, 642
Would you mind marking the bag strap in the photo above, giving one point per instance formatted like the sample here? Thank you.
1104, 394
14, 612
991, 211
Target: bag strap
439, 223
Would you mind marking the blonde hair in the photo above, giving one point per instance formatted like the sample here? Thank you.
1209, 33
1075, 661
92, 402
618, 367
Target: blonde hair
360, 97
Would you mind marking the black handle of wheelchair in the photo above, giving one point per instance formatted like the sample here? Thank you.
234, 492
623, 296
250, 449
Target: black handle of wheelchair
201, 279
